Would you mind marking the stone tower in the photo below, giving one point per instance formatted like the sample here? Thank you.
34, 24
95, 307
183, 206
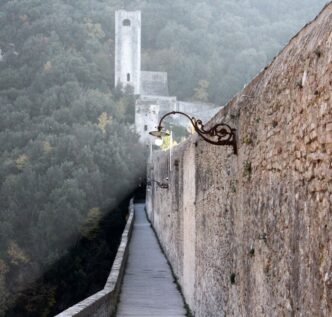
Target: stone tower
128, 49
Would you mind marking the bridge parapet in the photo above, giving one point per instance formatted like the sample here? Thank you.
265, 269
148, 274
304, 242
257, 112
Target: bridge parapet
103, 303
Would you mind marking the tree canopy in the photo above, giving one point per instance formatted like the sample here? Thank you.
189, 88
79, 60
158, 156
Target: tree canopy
223, 43
68, 152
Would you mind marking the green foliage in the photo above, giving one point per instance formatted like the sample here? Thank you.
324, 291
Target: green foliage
16, 254
248, 139
201, 92
90, 228
4, 293
247, 170
66, 144
168, 142
224, 43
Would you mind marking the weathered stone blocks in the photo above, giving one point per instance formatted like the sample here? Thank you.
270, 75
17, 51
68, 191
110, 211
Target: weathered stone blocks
275, 197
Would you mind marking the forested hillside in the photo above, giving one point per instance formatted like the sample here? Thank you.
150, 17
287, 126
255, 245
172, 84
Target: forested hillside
67, 151
210, 48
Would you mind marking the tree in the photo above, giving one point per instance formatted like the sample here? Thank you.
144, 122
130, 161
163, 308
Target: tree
201, 92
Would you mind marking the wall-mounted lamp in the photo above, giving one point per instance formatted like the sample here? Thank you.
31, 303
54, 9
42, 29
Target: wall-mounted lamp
220, 134
160, 184
158, 142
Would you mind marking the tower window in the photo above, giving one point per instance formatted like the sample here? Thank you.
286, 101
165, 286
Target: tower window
128, 77
145, 128
126, 22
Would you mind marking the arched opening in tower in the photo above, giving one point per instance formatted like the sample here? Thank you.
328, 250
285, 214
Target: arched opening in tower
126, 22
128, 77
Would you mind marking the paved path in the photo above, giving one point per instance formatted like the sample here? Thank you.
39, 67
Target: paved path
148, 288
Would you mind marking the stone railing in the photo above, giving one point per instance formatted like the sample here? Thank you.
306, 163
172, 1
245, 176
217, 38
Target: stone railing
103, 303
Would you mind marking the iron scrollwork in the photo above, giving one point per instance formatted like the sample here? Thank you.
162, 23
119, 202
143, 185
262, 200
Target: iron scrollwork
219, 134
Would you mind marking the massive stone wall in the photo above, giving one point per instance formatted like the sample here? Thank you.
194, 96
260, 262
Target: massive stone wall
250, 235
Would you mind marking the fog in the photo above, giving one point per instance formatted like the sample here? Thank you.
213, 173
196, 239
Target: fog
68, 151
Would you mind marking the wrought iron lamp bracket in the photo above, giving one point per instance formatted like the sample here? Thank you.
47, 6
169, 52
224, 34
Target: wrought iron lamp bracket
219, 134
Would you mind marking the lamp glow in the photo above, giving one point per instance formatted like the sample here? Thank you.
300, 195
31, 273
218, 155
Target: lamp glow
158, 141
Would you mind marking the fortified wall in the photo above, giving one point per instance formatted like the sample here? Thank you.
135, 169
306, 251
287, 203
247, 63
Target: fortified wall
250, 235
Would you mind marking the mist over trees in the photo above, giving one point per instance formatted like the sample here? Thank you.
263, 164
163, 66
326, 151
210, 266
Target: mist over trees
224, 43
68, 152
67, 147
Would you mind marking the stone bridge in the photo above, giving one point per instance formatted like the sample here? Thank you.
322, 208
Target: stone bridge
245, 235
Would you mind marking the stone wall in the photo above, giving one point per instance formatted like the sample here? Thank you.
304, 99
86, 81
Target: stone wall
154, 84
250, 235
148, 110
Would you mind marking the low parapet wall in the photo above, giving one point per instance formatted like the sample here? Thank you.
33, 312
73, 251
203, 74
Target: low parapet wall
250, 235
103, 303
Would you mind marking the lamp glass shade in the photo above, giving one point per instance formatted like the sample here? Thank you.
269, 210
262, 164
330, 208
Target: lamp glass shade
158, 142
159, 133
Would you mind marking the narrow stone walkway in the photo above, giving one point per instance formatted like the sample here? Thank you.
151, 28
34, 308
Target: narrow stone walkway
148, 288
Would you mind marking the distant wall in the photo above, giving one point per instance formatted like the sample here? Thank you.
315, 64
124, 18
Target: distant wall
154, 84
250, 235
148, 110
104, 303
